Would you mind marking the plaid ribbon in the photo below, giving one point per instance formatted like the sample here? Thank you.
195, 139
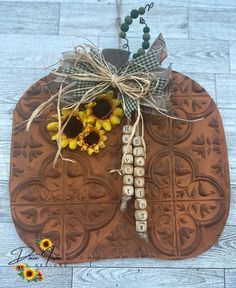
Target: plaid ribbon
150, 61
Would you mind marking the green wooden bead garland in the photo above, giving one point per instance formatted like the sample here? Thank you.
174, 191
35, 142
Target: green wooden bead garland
145, 44
128, 20
146, 36
134, 14
125, 27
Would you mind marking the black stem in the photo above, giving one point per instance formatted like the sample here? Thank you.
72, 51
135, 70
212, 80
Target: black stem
149, 6
126, 45
142, 21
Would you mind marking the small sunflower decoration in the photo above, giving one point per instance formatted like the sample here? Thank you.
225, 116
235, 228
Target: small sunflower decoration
45, 244
72, 130
19, 267
29, 274
40, 276
92, 140
86, 127
105, 111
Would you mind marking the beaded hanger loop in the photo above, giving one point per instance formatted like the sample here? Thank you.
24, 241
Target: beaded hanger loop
134, 14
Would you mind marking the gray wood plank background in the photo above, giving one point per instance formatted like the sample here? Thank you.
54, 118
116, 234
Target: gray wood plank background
201, 39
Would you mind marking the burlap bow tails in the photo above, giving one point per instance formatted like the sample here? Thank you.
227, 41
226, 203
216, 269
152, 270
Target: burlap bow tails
84, 74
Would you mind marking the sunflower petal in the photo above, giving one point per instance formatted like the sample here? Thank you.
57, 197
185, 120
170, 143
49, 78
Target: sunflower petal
115, 102
55, 116
96, 148
109, 94
64, 143
82, 115
118, 112
90, 151
114, 120
101, 144
84, 147
66, 112
104, 138
55, 137
98, 124
90, 119
73, 144
89, 106
53, 126
106, 125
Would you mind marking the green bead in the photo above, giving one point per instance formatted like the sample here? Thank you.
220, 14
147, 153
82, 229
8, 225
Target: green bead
122, 34
135, 55
134, 14
141, 51
145, 45
124, 27
141, 10
128, 20
146, 29
146, 36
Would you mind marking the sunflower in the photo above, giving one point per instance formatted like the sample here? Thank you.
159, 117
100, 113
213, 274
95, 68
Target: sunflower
104, 112
92, 139
45, 244
71, 131
40, 276
29, 274
19, 267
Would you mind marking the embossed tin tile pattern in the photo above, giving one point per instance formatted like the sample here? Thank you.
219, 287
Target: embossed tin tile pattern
77, 204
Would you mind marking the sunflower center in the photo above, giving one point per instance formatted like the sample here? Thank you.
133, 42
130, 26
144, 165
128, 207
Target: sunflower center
102, 109
91, 138
73, 127
29, 273
46, 244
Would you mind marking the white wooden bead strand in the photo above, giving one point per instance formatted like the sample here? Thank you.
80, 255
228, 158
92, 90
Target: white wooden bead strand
140, 204
128, 169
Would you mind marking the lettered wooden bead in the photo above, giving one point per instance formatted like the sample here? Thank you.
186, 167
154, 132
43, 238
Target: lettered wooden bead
125, 138
128, 148
128, 169
141, 226
129, 159
127, 129
128, 179
139, 192
140, 203
141, 215
128, 190
138, 151
139, 182
139, 161
139, 171
137, 141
